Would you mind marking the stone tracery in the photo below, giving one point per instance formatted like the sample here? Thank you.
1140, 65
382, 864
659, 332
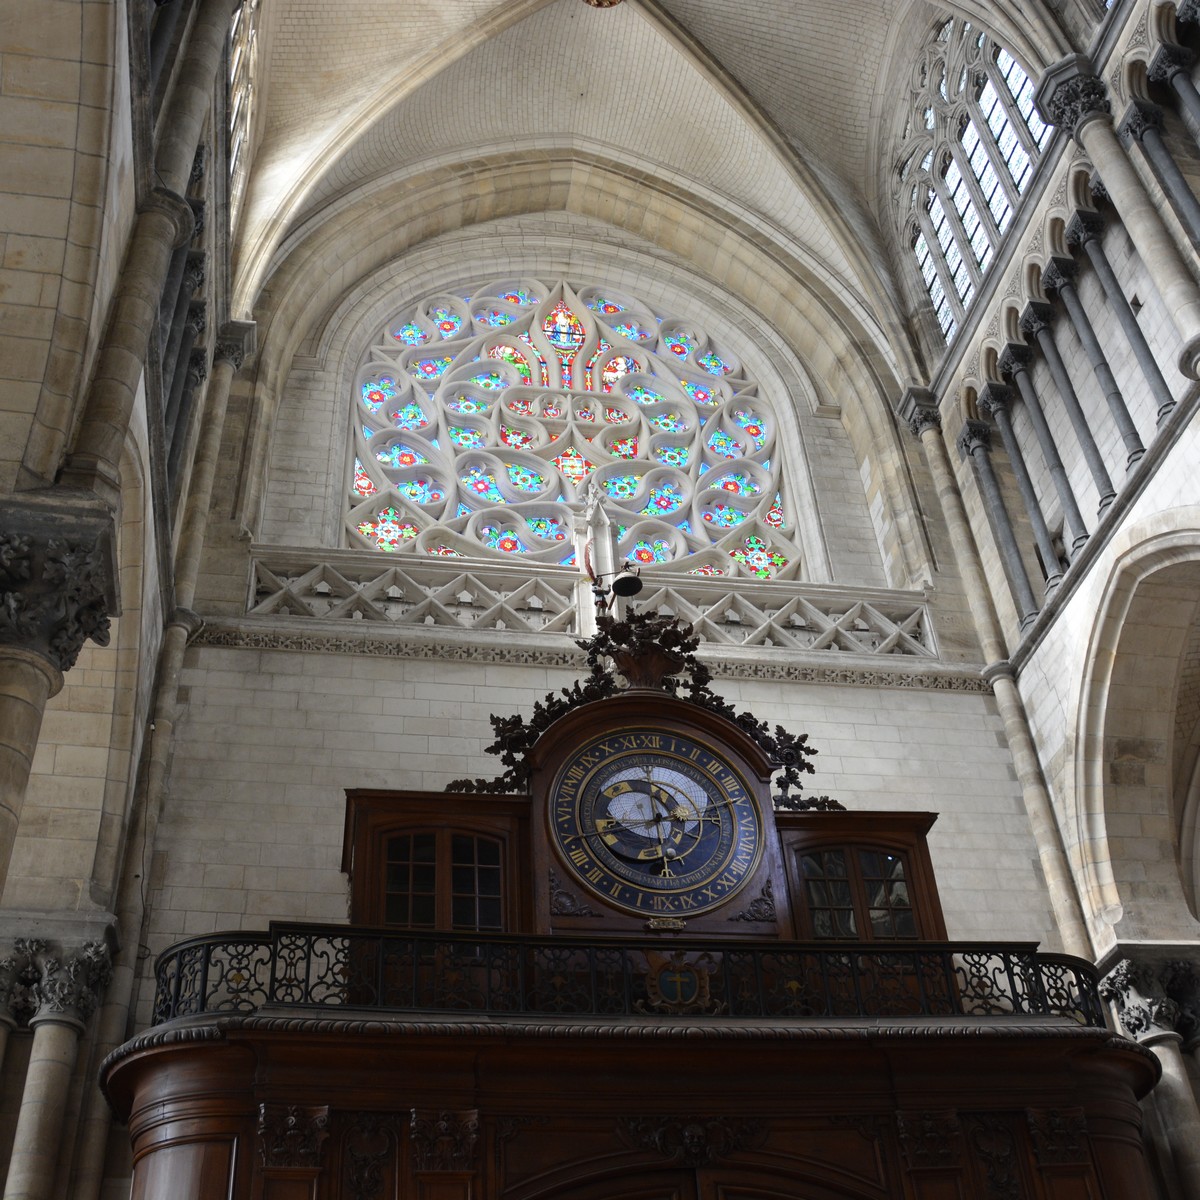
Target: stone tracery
483, 419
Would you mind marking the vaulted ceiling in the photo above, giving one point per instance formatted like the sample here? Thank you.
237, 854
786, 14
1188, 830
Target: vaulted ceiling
773, 113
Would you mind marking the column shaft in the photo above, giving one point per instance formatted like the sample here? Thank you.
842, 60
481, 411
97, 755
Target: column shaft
994, 400
1176, 1104
36, 1147
1035, 321
1143, 124
1015, 362
1061, 278
1038, 807
27, 681
1085, 229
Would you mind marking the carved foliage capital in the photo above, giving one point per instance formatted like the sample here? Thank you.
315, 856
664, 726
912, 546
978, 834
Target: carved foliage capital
975, 436
1083, 227
1070, 97
56, 581
1036, 317
1058, 273
1140, 999
70, 989
1140, 117
1014, 359
1170, 60
446, 1140
692, 1141
995, 397
930, 1139
918, 409
292, 1135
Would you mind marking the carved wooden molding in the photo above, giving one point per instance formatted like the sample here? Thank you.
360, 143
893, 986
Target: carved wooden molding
292, 1135
445, 1140
692, 1141
930, 1139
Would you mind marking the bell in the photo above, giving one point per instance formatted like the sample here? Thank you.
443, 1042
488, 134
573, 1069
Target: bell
626, 583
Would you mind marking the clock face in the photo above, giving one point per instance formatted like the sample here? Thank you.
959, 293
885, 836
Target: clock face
655, 823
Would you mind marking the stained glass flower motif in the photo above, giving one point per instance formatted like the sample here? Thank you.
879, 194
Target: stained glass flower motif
760, 558
388, 529
400, 454
650, 551
363, 484
502, 539
573, 465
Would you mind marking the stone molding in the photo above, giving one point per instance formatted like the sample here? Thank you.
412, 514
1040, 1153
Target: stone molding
239, 635
57, 576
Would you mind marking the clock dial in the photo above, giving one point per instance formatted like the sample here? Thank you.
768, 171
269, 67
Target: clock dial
655, 823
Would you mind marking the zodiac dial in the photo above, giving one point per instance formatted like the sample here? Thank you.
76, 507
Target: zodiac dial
655, 823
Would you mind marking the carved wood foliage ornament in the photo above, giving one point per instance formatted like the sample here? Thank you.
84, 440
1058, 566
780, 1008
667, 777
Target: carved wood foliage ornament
691, 1141
446, 1140
291, 1135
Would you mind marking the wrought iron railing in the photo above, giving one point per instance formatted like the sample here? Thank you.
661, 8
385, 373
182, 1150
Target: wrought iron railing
333, 967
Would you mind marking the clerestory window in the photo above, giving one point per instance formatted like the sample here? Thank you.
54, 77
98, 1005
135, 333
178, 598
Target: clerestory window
484, 420
966, 154
243, 62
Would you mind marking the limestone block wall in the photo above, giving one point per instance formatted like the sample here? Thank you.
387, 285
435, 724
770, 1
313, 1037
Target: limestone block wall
270, 739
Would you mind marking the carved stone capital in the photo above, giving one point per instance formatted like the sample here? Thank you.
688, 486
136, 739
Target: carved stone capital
602, 3
444, 1140
1070, 93
1145, 1011
1187, 12
1035, 317
918, 409
198, 165
68, 990
1014, 359
692, 1141
194, 271
197, 317
197, 368
994, 397
1083, 227
975, 436
1098, 191
1059, 272
1170, 60
57, 575
291, 1135
235, 343
199, 213
1140, 117
19, 972
1181, 983
930, 1140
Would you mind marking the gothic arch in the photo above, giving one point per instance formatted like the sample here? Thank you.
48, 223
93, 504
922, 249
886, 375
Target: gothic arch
1127, 821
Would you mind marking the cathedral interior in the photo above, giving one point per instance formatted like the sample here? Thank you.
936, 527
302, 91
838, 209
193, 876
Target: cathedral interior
600, 599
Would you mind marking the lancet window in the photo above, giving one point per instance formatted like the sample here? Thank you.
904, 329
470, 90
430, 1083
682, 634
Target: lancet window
966, 154
485, 419
243, 61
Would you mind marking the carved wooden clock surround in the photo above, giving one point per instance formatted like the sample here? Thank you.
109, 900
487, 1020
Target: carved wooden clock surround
652, 814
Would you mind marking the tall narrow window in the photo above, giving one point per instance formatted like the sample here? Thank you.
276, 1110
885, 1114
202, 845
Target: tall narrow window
966, 154
243, 63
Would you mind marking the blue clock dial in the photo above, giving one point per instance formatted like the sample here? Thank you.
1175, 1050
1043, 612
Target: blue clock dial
655, 823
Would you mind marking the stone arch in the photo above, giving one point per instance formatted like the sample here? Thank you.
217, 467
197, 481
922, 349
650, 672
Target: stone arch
1128, 817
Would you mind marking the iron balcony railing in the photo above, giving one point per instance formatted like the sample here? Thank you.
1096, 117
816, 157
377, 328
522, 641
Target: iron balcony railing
331, 967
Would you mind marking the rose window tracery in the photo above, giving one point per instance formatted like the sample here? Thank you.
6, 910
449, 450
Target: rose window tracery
483, 420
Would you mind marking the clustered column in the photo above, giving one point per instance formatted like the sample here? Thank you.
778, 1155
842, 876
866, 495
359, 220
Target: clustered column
1071, 96
974, 442
1084, 230
1142, 123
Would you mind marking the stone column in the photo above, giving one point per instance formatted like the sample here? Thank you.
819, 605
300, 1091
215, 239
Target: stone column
65, 996
1059, 276
1172, 65
1084, 230
1035, 320
974, 442
164, 222
1014, 363
918, 410
995, 400
1142, 123
1150, 1018
56, 591
1070, 95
